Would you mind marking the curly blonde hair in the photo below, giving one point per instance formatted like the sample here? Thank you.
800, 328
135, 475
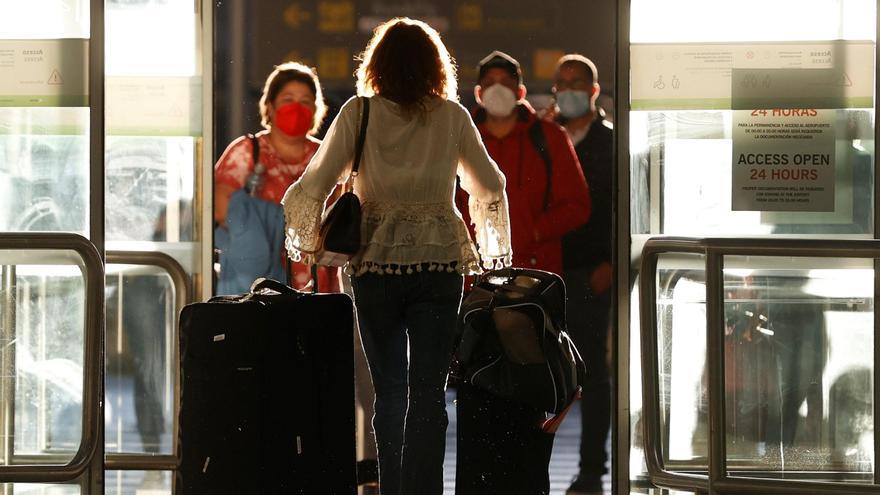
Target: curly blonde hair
407, 62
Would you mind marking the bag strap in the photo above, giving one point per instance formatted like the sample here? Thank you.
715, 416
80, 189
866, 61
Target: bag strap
536, 135
362, 136
255, 144
257, 171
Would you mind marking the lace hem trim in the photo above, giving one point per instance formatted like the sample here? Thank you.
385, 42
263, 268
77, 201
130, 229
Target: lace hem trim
470, 268
408, 269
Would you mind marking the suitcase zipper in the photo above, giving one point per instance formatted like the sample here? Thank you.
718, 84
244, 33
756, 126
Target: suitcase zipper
484, 368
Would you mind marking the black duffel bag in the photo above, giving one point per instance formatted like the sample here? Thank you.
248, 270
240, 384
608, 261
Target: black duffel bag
514, 342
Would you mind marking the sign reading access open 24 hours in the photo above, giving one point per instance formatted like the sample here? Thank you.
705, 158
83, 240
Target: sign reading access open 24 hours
783, 159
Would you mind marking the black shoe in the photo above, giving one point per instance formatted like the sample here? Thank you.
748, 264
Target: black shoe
367, 472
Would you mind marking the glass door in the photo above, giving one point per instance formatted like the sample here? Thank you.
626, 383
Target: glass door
51, 247
156, 61
754, 121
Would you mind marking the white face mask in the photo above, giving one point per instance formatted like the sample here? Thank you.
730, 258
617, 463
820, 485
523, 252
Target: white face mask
498, 100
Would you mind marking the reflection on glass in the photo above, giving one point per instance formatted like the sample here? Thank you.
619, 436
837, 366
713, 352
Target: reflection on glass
137, 482
798, 366
148, 189
45, 306
681, 333
139, 379
44, 169
39, 489
681, 143
692, 152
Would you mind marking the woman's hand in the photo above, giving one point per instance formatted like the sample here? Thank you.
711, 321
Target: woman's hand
222, 192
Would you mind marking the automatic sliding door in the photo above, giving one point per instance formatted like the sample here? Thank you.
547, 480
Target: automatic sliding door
51, 283
152, 193
755, 119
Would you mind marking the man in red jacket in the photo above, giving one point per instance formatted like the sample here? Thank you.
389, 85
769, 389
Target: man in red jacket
546, 190
501, 447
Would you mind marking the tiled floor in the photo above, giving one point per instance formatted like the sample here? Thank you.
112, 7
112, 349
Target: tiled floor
563, 464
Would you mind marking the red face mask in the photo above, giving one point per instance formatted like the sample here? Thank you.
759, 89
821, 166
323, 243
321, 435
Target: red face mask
293, 119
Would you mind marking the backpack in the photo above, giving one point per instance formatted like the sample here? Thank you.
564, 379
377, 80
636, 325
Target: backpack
536, 136
514, 342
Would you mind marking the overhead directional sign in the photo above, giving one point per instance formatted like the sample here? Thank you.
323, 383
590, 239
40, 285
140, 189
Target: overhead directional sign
296, 16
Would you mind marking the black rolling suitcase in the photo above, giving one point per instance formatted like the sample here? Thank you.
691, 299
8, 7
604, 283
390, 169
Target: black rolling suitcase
515, 361
267, 397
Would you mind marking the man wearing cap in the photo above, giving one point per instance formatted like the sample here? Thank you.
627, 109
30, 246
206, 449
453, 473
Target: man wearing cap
546, 190
586, 256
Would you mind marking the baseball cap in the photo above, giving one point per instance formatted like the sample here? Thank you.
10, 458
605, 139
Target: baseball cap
500, 60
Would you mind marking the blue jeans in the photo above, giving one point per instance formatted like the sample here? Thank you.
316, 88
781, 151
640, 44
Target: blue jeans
407, 325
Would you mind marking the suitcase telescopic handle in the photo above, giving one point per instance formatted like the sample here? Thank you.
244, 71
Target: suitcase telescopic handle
268, 283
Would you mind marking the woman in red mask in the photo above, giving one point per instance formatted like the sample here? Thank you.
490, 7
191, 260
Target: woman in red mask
292, 109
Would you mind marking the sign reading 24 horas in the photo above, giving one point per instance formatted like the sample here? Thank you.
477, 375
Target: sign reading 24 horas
783, 159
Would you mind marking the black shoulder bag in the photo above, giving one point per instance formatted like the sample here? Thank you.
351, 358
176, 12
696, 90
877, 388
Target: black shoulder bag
339, 237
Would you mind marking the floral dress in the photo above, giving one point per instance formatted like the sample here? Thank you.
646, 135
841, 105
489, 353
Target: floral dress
237, 164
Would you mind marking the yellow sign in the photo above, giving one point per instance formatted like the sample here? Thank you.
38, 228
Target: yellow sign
336, 16
470, 17
295, 16
333, 63
544, 61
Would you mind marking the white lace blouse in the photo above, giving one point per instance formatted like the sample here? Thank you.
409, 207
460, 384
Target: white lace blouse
406, 184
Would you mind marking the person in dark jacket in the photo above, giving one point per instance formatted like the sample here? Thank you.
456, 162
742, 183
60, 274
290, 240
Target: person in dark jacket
541, 213
586, 254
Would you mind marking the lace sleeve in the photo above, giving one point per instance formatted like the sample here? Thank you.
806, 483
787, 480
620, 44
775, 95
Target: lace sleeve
302, 219
492, 224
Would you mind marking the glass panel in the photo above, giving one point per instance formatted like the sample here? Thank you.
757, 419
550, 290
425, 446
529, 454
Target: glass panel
138, 483
691, 151
148, 190
44, 168
44, 19
692, 111
38, 489
695, 109
681, 339
42, 310
699, 20
140, 390
637, 466
153, 126
799, 364
681, 333
44, 155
